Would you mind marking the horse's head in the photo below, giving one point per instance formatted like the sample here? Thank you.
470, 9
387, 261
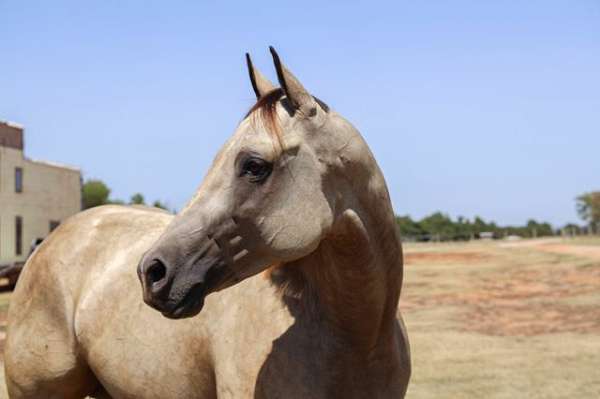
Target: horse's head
267, 199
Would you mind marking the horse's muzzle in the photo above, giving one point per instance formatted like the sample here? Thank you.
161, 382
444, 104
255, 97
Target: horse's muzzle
178, 289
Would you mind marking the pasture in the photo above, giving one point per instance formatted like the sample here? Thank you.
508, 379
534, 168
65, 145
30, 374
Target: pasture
498, 319
504, 320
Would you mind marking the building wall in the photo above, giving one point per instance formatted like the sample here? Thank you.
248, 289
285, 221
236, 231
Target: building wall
50, 193
11, 135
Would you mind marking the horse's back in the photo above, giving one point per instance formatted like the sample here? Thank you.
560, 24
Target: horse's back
42, 356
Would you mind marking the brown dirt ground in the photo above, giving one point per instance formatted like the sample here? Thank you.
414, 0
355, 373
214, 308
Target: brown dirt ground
443, 257
590, 251
512, 301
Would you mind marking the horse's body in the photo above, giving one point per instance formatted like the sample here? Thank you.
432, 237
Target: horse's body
320, 324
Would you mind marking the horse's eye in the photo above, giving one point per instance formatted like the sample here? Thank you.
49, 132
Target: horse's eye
256, 169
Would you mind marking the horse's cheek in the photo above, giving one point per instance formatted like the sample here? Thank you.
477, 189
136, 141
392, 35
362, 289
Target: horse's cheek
299, 233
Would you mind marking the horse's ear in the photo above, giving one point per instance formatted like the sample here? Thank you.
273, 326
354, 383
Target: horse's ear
293, 89
260, 84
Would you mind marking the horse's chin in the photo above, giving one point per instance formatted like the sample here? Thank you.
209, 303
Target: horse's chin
184, 312
189, 306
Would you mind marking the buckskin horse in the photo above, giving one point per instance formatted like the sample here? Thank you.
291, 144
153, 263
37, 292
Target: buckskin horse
285, 269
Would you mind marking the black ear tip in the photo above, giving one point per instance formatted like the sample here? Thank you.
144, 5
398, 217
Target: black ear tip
276, 59
248, 60
278, 69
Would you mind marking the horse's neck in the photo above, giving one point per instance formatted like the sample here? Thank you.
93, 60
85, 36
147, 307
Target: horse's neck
351, 282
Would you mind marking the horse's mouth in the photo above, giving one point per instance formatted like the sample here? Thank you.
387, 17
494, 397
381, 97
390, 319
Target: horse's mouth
193, 302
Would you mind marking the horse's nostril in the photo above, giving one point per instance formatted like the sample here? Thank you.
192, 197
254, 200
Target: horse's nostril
156, 272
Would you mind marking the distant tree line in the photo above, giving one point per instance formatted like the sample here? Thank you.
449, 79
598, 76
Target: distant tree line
95, 193
441, 227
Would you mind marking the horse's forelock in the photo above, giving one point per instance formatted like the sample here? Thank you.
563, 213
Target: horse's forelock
266, 110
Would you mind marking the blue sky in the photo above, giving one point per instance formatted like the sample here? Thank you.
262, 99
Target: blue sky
471, 107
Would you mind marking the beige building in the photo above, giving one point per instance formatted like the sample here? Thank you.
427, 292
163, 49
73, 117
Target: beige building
35, 196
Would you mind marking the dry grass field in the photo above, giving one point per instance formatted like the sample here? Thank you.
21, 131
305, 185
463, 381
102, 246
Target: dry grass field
504, 320
498, 319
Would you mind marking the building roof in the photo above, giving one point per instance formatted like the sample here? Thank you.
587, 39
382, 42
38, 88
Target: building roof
12, 124
55, 165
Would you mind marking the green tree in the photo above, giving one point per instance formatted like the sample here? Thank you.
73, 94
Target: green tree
463, 229
94, 193
479, 225
409, 229
137, 199
588, 207
536, 229
439, 226
571, 229
158, 204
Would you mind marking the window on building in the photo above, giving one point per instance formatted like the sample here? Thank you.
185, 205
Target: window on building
53, 224
19, 180
19, 235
